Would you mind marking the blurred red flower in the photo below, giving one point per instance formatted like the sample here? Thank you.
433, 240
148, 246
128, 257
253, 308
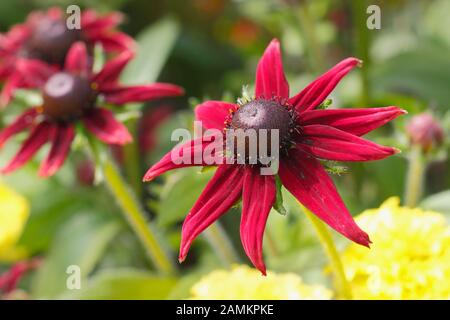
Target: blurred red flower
45, 38
71, 96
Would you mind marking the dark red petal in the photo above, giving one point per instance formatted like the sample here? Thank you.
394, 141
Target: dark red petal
54, 13
77, 59
11, 41
38, 137
35, 72
305, 178
61, 141
111, 71
258, 196
354, 121
91, 23
13, 82
121, 95
329, 143
88, 17
113, 41
22, 122
270, 78
316, 92
212, 114
219, 195
192, 151
27, 73
104, 126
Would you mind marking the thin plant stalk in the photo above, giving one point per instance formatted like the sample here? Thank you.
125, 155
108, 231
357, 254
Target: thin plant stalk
220, 242
326, 240
130, 208
414, 177
135, 216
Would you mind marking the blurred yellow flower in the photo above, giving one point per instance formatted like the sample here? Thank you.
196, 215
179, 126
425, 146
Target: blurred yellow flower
409, 257
14, 212
243, 282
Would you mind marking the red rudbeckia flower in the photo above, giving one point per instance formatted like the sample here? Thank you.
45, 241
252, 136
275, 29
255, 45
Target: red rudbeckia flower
45, 38
307, 134
72, 95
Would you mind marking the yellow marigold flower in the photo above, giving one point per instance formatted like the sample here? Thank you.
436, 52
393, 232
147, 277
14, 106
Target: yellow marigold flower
14, 212
243, 282
409, 257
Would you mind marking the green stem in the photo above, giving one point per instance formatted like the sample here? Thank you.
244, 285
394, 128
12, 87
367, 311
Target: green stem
131, 161
135, 216
220, 242
415, 177
327, 243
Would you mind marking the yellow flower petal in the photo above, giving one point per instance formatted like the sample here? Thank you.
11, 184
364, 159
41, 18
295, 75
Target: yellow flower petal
14, 212
409, 257
243, 282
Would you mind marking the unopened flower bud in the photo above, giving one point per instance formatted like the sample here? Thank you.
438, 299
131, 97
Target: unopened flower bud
424, 130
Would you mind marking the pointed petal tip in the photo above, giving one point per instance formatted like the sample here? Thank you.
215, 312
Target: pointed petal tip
398, 110
353, 61
9, 168
396, 150
122, 140
148, 177
263, 270
45, 174
363, 239
275, 41
128, 138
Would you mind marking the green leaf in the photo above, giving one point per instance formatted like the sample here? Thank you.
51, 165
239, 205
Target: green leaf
207, 169
333, 168
278, 205
439, 202
124, 285
99, 58
179, 193
247, 96
28, 97
413, 72
324, 105
81, 241
154, 46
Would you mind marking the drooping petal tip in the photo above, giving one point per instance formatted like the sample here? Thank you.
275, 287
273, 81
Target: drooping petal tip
105, 127
219, 195
258, 197
316, 92
306, 179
